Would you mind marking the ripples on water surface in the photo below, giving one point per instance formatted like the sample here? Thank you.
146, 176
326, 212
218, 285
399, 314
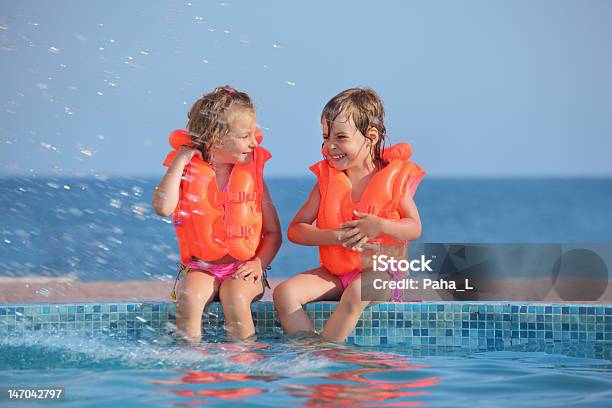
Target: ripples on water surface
98, 371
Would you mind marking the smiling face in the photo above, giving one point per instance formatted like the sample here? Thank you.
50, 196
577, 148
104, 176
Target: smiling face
238, 144
345, 146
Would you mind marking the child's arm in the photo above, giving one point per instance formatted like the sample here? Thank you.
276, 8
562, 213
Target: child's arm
301, 231
407, 228
270, 244
272, 235
166, 195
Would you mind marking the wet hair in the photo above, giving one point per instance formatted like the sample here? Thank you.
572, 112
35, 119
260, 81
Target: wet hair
209, 117
365, 107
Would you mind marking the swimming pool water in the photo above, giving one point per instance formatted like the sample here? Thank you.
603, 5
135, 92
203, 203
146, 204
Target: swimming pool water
125, 354
102, 370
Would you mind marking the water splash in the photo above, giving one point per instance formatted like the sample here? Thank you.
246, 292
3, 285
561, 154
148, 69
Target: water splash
86, 150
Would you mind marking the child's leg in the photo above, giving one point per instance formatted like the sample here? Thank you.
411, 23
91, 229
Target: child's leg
291, 295
236, 296
198, 289
344, 319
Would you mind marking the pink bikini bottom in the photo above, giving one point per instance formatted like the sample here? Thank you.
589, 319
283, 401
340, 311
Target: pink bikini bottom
220, 271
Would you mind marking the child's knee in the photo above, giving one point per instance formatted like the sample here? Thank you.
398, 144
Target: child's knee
233, 300
284, 293
190, 300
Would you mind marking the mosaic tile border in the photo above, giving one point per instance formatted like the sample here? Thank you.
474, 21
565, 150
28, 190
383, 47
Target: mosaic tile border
474, 324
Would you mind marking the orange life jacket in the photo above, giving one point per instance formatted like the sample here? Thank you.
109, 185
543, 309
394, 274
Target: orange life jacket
211, 224
381, 197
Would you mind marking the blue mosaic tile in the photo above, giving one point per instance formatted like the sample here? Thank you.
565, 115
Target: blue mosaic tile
428, 323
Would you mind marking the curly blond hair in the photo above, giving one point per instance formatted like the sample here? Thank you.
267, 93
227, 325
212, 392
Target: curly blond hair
209, 117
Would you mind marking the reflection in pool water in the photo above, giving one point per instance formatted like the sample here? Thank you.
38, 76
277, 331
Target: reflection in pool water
303, 371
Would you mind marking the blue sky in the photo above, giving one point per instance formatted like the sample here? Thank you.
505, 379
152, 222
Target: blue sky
480, 88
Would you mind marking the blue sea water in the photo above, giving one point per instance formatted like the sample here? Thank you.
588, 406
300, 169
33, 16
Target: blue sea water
106, 229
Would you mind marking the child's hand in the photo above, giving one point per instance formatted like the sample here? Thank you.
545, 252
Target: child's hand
250, 270
357, 232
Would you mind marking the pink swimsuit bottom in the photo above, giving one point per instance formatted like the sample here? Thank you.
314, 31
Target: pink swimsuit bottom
220, 271
396, 294
223, 271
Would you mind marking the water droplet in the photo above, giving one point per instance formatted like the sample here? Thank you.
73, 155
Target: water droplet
137, 191
279, 45
86, 150
290, 83
101, 176
3, 26
48, 146
68, 111
112, 41
8, 241
143, 52
43, 292
54, 50
115, 203
76, 212
199, 19
99, 93
53, 185
205, 61
115, 240
140, 210
66, 187
101, 48
101, 261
